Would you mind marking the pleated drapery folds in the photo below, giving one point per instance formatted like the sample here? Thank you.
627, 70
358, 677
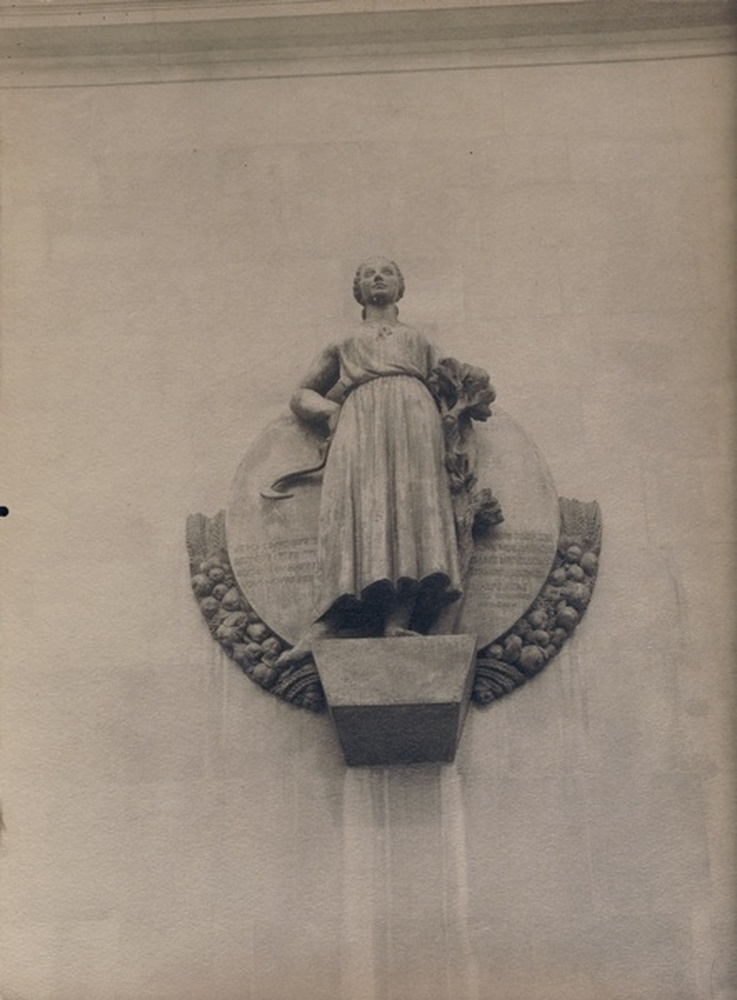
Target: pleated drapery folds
386, 519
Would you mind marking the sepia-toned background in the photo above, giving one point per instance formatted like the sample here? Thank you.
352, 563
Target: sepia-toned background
174, 254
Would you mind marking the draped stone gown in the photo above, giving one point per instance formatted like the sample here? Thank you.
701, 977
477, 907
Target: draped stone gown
386, 518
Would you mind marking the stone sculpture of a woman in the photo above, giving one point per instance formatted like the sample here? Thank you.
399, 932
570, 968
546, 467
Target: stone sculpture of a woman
388, 553
396, 540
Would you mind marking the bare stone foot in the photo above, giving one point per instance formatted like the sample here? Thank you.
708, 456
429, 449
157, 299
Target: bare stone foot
395, 631
396, 623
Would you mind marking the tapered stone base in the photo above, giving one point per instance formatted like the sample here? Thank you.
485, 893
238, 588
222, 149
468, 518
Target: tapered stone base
398, 701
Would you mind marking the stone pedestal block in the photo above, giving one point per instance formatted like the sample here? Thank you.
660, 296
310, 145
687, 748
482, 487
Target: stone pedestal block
400, 700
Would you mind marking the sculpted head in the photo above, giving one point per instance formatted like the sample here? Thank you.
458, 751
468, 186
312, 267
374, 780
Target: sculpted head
378, 281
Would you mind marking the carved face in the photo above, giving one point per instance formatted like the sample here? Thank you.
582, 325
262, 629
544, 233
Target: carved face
379, 281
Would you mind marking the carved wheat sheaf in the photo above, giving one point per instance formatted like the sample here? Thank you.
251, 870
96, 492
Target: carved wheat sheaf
505, 664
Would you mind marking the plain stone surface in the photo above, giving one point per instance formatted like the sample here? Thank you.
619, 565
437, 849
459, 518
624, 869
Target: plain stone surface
173, 257
398, 700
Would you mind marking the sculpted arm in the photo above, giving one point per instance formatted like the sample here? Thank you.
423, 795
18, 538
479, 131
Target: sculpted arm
309, 402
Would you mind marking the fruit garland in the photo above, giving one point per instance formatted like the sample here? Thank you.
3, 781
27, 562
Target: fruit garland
235, 625
503, 665
532, 642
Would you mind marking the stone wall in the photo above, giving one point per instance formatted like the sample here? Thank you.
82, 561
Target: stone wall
175, 254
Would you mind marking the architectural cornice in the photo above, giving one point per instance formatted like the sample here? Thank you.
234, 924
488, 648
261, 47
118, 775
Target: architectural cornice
63, 43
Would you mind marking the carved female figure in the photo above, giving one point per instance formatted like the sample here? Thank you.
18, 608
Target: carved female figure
387, 550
